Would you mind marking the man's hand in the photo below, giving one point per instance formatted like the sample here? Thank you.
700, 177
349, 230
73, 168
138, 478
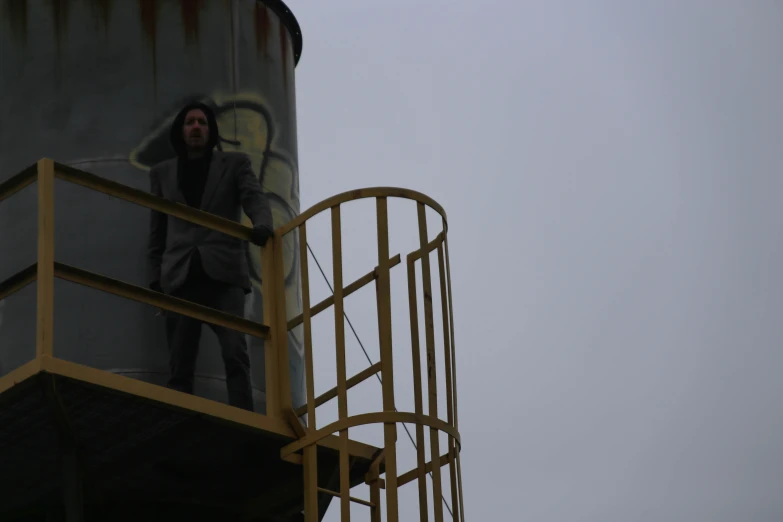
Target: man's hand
260, 235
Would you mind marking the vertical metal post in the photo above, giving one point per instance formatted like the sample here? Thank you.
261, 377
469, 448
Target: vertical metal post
453, 368
375, 499
268, 276
281, 323
307, 326
387, 359
278, 382
451, 326
44, 345
310, 453
459, 478
417, 397
310, 467
449, 386
342, 389
429, 331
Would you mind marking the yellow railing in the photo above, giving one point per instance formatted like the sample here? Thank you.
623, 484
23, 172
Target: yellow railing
275, 326
46, 269
390, 417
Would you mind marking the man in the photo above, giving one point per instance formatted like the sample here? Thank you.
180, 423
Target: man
200, 265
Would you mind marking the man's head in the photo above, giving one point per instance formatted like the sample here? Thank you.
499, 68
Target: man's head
194, 131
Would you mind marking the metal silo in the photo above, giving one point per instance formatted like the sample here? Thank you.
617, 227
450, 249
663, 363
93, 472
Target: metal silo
95, 84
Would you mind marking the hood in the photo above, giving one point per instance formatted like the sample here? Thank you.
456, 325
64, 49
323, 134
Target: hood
178, 142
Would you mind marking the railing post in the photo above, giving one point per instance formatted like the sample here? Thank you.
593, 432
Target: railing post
421, 458
461, 514
44, 344
387, 359
429, 334
278, 382
449, 375
281, 324
268, 288
339, 339
310, 453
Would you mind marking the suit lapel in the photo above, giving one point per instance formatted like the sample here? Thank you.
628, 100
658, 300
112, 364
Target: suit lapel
216, 171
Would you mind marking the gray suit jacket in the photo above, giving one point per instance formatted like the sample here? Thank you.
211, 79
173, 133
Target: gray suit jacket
231, 187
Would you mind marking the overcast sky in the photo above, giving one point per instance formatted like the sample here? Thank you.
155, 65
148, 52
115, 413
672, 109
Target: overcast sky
612, 173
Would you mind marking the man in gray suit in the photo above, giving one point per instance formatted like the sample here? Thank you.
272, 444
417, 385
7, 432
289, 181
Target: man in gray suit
194, 263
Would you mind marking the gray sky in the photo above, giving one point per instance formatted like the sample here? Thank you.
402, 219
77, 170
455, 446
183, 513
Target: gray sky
612, 173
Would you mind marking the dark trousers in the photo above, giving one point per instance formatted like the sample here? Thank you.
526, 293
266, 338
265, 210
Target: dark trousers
184, 335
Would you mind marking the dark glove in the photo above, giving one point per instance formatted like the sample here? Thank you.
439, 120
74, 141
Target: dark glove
260, 235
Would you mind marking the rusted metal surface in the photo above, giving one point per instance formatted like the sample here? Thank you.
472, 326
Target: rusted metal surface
283, 52
102, 9
16, 15
190, 11
287, 17
60, 10
148, 13
262, 26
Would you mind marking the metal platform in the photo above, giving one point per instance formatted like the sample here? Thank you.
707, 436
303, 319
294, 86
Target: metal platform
139, 444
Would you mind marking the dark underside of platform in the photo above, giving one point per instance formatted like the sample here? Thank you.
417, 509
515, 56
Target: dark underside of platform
142, 460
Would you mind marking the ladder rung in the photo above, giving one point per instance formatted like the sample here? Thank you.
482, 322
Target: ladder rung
353, 499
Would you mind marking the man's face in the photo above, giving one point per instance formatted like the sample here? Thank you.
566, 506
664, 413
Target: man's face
196, 129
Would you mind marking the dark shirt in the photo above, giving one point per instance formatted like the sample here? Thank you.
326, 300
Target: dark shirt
192, 178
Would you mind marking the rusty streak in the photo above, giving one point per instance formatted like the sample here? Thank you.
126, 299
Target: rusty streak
148, 10
60, 19
284, 51
17, 18
189, 10
262, 28
102, 9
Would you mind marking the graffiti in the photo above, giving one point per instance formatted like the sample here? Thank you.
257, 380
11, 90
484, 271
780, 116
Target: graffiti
246, 125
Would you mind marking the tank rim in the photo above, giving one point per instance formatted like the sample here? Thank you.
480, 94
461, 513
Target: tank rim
290, 22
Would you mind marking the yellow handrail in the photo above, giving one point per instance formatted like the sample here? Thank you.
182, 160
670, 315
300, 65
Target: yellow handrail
365, 193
